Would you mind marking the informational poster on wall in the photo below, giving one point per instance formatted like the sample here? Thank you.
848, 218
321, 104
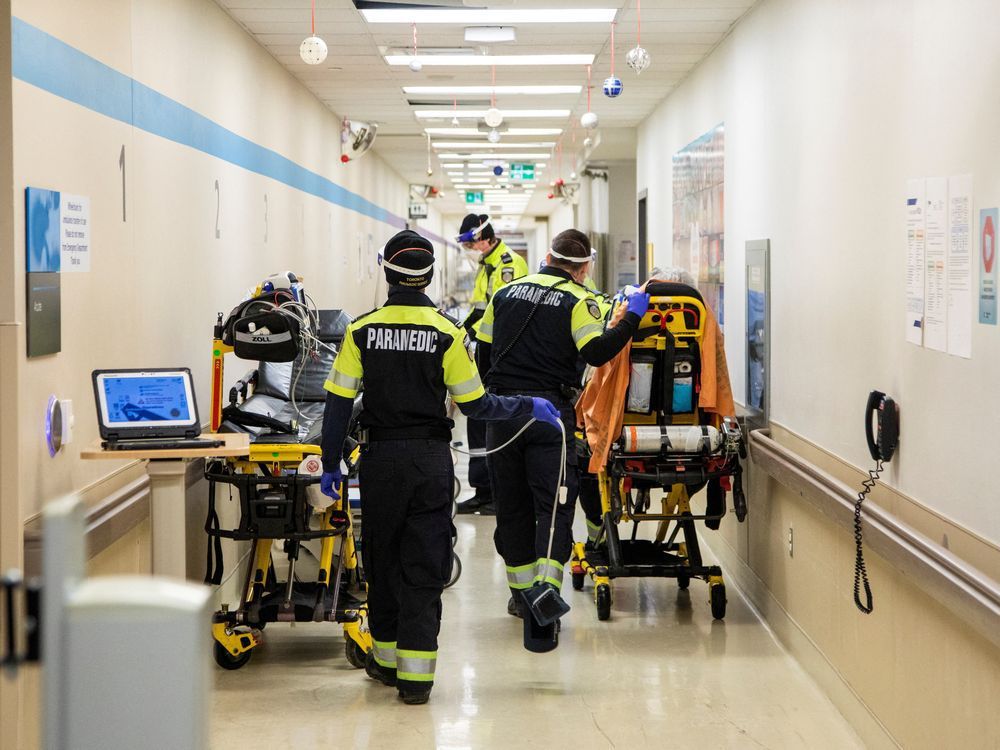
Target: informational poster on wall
939, 316
74, 223
988, 225
699, 214
42, 263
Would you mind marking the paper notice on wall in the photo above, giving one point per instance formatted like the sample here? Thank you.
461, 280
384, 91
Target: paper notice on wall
988, 226
75, 233
960, 266
915, 210
936, 265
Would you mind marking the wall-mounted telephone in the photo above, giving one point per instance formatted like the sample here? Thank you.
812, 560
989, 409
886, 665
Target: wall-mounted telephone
882, 442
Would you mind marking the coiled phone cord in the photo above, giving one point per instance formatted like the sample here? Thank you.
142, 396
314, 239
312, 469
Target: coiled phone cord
860, 569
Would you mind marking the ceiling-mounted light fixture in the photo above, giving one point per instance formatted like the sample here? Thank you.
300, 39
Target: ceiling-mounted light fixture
483, 60
638, 58
490, 34
313, 49
488, 16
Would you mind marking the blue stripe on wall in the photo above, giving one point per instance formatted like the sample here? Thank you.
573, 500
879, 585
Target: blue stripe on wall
42, 60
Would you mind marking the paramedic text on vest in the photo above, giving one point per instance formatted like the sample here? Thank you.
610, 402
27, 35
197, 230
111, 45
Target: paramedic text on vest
410, 357
498, 266
534, 331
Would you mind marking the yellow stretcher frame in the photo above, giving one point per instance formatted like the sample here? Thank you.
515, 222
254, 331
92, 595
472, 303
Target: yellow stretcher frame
664, 313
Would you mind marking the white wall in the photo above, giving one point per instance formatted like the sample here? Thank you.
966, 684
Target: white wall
158, 279
830, 106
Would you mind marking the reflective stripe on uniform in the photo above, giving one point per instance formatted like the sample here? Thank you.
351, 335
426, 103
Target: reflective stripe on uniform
521, 576
344, 380
549, 571
485, 329
416, 666
478, 305
385, 653
587, 331
593, 530
471, 385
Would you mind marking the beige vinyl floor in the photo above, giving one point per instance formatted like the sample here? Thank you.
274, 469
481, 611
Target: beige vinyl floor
660, 673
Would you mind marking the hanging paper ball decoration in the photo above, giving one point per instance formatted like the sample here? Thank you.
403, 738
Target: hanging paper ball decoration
416, 66
493, 117
312, 50
613, 87
430, 172
454, 122
588, 142
493, 136
589, 120
638, 59
498, 170
344, 158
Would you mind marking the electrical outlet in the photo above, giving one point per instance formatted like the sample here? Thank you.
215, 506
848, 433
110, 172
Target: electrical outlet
791, 542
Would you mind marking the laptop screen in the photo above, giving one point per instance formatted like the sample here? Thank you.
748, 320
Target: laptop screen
148, 399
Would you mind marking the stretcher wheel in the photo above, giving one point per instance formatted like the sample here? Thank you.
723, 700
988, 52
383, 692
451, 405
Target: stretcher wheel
354, 653
456, 570
578, 579
227, 660
683, 580
717, 596
603, 598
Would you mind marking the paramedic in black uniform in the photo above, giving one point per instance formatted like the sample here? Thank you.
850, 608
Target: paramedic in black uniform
533, 333
410, 357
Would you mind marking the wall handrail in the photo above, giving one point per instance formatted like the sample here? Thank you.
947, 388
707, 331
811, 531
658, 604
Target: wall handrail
966, 591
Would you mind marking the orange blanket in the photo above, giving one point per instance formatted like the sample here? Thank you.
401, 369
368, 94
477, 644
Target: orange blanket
601, 408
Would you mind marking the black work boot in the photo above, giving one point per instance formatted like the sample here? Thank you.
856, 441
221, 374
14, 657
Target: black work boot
414, 696
514, 607
385, 675
476, 503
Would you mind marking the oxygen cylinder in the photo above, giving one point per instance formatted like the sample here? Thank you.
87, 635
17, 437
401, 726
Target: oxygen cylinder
676, 438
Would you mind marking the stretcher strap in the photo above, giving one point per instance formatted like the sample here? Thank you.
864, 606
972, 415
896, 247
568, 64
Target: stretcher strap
668, 373
213, 574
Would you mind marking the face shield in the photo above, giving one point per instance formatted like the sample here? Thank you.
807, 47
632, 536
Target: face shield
466, 239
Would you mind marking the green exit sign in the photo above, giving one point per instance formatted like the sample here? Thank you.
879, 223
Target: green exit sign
522, 172
473, 198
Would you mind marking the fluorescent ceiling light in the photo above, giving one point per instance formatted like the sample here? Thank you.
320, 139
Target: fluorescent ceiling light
474, 180
490, 34
490, 60
463, 145
487, 90
480, 157
478, 114
489, 17
473, 132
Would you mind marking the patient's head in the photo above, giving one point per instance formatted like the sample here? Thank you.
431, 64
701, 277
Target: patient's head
675, 274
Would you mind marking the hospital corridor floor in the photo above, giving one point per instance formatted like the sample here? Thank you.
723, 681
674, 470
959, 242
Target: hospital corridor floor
660, 673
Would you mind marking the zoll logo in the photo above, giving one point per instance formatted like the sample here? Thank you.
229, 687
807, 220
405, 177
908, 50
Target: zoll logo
261, 339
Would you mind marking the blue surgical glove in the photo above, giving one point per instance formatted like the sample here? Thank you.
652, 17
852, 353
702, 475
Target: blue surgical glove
543, 411
330, 482
638, 303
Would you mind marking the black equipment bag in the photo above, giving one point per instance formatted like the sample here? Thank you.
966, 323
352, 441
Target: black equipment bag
266, 336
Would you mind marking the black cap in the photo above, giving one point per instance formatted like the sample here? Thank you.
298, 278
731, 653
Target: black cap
408, 260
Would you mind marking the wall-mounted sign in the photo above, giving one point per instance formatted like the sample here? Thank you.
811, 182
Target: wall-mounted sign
418, 210
522, 172
473, 198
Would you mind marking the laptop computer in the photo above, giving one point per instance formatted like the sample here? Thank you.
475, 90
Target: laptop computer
148, 409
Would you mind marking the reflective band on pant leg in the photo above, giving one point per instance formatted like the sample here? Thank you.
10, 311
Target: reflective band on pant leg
521, 576
549, 571
385, 653
593, 531
416, 666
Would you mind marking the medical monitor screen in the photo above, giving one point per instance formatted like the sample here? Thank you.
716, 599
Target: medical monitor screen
146, 399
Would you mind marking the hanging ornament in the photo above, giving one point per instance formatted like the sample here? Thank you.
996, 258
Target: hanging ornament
497, 170
454, 119
493, 136
415, 65
638, 58
613, 84
313, 49
588, 142
430, 169
589, 119
493, 116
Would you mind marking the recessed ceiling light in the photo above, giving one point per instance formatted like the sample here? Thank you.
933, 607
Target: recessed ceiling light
462, 145
478, 114
474, 132
488, 90
489, 17
490, 60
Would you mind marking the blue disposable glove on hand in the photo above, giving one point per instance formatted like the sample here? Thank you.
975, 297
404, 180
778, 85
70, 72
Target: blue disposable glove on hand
330, 482
543, 411
638, 303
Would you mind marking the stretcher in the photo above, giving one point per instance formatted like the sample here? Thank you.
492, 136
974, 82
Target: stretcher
280, 405
667, 444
